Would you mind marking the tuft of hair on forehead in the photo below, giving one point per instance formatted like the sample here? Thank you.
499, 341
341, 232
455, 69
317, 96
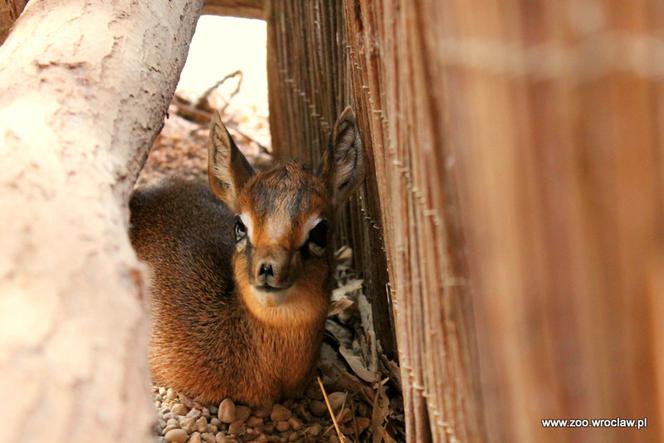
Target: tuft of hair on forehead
289, 188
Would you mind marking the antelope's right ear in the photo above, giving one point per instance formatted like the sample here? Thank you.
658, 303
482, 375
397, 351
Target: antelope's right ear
343, 160
228, 169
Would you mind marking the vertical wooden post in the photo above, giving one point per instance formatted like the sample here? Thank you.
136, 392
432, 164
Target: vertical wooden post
553, 118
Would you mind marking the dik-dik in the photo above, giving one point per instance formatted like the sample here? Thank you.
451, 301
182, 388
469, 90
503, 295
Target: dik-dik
241, 269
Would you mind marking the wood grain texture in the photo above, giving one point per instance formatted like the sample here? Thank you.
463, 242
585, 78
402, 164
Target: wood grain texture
236, 8
553, 112
308, 88
322, 56
517, 155
79, 109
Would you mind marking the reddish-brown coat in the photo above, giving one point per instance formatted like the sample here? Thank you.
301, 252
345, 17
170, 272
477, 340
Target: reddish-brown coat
216, 331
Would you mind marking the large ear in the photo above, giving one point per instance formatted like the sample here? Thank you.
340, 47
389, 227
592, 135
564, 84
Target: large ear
228, 169
343, 161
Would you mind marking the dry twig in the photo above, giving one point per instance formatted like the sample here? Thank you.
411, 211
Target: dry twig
329, 408
203, 101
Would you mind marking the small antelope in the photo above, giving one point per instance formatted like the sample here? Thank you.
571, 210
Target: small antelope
241, 270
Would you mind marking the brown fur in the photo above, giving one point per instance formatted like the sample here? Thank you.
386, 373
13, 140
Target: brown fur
214, 335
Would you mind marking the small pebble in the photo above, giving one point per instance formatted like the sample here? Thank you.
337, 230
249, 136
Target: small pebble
295, 437
236, 427
282, 426
195, 438
314, 429
223, 439
162, 390
201, 424
303, 412
187, 424
263, 411
170, 394
168, 428
254, 422
176, 436
295, 424
280, 412
194, 413
227, 411
337, 400
208, 437
318, 408
179, 409
242, 413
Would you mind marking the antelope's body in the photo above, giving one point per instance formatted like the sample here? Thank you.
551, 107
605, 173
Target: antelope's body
241, 271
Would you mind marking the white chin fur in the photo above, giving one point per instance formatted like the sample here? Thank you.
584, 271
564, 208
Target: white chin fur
271, 298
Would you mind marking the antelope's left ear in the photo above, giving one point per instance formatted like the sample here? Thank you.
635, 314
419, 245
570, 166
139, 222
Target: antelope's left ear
343, 161
228, 169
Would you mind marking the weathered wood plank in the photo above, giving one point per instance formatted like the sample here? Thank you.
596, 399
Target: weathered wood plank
236, 8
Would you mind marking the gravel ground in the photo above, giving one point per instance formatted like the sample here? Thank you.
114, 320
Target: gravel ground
306, 420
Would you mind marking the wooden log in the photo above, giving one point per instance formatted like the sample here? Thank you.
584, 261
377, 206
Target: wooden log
79, 109
236, 8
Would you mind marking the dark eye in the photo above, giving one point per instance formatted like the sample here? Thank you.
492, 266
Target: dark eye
240, 229
318, 235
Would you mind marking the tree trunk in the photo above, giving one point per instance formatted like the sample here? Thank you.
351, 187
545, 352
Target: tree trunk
79, 107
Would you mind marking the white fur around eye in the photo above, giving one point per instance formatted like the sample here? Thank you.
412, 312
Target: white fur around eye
308, 226
246, 219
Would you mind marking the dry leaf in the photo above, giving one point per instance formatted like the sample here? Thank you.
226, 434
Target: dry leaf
358, 366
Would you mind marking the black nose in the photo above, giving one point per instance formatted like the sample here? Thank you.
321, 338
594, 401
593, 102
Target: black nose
265, 270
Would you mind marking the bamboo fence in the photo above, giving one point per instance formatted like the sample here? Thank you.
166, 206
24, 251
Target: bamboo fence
515, 181
322, 56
